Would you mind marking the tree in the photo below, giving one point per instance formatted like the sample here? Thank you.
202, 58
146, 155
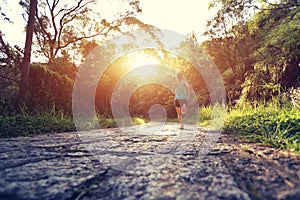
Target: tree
230, 38
59, 26
25, 66
10, 60
276, 30
256, 46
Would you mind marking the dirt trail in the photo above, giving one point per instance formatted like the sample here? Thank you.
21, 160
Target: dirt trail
118, 164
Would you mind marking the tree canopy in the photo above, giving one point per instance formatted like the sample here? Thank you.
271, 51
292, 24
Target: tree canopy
60, 26
255, 37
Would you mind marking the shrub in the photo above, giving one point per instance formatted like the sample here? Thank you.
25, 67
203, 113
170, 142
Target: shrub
47, 87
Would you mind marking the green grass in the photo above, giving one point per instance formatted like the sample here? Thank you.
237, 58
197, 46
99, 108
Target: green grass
108, 122
212, 117
26, 123
269, 124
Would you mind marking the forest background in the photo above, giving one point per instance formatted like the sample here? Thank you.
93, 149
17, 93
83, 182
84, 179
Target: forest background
255, 45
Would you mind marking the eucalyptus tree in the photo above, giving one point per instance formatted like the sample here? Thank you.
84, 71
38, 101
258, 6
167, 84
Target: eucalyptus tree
61, 25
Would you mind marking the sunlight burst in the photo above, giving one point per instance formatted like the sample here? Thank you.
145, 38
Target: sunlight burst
143, 64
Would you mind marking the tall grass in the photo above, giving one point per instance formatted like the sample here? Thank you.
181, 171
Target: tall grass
24, 123
213, 116
271, 123
39, 121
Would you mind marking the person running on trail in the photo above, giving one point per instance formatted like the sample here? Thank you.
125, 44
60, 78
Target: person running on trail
181, 96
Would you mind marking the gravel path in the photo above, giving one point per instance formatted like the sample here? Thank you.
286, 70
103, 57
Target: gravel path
194, 163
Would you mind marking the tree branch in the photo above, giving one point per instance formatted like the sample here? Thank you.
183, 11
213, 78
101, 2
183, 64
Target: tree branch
279, 5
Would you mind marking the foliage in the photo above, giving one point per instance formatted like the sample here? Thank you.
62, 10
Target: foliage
230, 44
139, 121
261, 84
212, 116
41, 121
63, 66
10, 59
26, 123
278, 28
204, 115
259, 42
108, 122
148, 95
60, 25
292, 97
271, 124
48, 87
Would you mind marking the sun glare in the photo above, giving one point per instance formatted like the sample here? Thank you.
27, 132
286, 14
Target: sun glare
143, 64
139, 59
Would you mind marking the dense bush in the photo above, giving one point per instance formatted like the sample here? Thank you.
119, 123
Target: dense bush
48, 88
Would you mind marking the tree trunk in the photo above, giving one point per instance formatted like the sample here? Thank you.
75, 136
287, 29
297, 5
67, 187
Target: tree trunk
25, 65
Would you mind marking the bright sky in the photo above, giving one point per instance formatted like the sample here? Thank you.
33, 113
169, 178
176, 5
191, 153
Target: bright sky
183, 16
14, 33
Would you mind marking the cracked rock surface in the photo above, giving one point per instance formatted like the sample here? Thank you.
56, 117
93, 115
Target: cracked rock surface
137, 163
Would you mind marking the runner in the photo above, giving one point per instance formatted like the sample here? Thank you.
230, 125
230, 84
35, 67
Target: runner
181, 95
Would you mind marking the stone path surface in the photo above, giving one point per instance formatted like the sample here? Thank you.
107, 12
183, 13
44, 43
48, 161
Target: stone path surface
128, 163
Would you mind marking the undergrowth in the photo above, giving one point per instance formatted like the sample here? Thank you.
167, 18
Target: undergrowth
24, 123
40, 121
270, 124
273, 124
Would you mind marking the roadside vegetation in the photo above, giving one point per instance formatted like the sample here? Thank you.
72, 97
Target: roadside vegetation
273, 124
30, 123
255, 46
276, 123
25, 123
270, 124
